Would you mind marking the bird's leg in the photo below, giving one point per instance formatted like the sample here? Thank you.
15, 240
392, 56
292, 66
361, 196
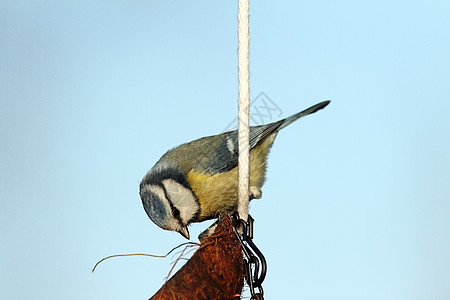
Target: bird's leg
255, 192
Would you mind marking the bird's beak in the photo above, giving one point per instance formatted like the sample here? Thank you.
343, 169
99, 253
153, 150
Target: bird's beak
184, 232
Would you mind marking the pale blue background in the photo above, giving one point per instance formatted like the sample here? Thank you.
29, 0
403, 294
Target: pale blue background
92, 93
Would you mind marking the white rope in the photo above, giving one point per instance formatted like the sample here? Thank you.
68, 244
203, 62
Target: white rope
244, 108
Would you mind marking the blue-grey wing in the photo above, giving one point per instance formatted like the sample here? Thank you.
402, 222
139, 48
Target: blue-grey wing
225, 157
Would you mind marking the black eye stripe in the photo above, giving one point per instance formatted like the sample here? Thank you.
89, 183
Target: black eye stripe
175, 211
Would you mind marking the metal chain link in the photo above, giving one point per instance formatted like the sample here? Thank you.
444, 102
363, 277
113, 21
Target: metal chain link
254, 259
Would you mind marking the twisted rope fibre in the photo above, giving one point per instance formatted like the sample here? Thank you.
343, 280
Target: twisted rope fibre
244, 108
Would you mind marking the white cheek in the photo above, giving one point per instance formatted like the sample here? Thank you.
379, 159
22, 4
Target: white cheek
182, 198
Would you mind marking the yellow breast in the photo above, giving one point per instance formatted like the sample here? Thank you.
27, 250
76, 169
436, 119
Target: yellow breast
219, 192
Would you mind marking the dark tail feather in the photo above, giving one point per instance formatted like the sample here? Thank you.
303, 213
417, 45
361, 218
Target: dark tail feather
303, 113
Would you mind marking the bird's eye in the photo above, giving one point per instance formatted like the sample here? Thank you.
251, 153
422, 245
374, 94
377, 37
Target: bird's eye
176, 213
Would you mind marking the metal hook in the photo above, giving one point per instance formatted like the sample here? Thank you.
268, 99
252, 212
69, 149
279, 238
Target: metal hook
256, 278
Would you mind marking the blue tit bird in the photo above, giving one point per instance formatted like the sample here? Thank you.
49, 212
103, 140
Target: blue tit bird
196, 180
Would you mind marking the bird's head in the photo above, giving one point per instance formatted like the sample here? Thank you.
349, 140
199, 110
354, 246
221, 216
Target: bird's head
168, 199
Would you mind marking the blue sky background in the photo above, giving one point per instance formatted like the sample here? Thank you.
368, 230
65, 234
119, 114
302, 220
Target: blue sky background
357, 201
